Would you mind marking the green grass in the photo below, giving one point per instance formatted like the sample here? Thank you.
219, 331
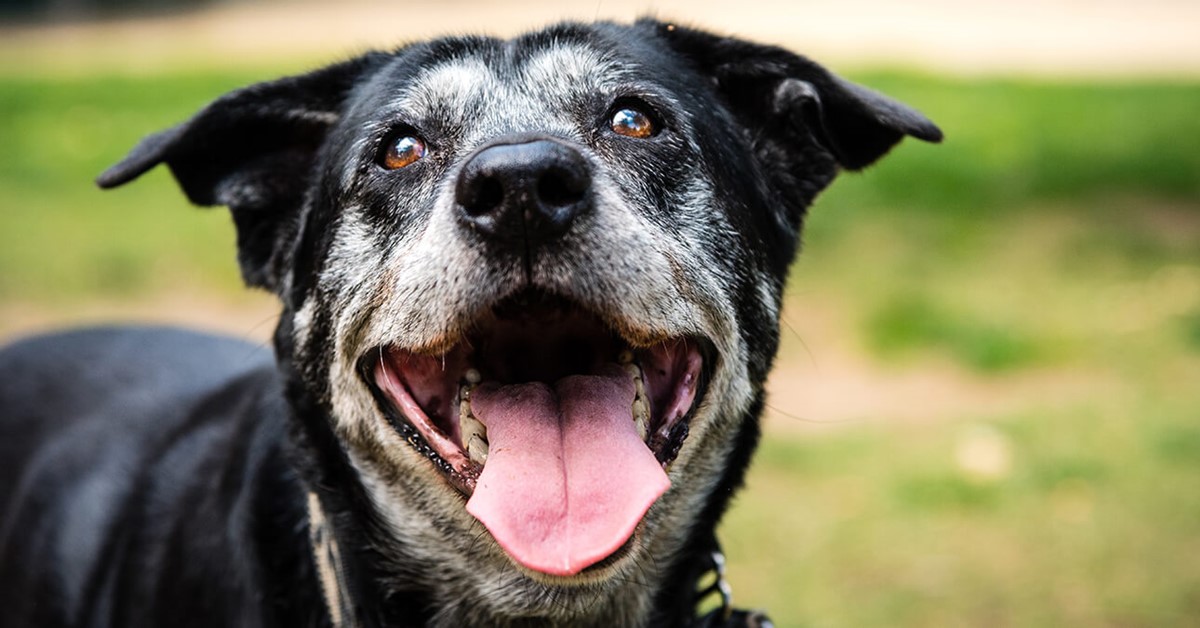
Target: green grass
60, 237
1012, 143
1055, 234
1094, 524
1052, 216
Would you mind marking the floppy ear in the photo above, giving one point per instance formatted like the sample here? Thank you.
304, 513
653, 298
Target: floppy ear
768, 86
252, 150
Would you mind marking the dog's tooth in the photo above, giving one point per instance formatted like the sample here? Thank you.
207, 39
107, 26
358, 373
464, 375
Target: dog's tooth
470, 425
639, 386
641, 406
625, 357
633, 371
477, 449
641, 415
642, 428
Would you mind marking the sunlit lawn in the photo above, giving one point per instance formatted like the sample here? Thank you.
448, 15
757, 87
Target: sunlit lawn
1056, 235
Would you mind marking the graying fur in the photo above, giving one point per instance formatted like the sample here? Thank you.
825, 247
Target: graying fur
417, 290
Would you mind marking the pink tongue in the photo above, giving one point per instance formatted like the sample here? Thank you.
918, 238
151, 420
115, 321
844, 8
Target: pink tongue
567, 478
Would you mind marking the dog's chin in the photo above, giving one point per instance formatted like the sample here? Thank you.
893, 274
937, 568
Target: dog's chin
556, 428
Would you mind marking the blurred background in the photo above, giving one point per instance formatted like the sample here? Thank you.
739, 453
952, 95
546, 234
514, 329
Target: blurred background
986, 411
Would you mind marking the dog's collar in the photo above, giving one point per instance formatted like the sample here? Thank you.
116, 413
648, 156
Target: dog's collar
328, 561
724, 615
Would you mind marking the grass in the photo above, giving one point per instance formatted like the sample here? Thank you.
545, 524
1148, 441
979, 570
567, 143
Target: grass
1093, 524
1053, 235
61, 239
1015, 143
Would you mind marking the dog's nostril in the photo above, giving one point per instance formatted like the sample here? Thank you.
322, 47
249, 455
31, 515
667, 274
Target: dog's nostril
559, 189
489, 193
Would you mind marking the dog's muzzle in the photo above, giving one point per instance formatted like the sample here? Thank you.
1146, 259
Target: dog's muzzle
557, 418
557, 429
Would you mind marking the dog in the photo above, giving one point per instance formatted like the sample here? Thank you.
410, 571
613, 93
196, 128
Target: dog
530, 294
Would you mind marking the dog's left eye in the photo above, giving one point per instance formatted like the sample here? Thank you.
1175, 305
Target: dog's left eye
632, 122
404, 151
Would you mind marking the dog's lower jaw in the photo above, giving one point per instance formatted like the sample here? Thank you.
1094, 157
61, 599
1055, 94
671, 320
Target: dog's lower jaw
468, 581
626, 607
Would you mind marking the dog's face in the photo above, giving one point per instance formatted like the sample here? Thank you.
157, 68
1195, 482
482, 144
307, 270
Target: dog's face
533, 285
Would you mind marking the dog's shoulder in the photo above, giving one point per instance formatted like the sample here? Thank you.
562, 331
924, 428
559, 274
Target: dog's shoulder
135, 379
135, 438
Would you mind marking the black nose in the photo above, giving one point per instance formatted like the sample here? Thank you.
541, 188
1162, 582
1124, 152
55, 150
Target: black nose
523, 194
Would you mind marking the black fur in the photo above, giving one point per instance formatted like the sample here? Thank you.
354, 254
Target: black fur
157, 477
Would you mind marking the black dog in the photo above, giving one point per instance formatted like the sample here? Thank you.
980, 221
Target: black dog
530, 296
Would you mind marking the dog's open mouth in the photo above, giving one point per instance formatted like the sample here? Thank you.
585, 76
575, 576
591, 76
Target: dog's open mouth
557, 428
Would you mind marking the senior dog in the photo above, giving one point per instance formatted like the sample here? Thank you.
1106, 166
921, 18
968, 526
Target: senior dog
530, 294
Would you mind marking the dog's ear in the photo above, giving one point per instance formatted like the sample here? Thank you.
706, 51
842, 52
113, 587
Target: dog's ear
768, 86
253, 150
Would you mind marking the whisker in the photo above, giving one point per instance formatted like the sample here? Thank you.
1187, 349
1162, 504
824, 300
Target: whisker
807, 350
797, 417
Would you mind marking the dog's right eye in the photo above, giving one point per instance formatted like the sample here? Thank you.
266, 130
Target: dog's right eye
404, 150
631, 121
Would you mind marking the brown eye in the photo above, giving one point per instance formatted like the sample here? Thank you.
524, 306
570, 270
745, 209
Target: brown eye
631, 122
404, 151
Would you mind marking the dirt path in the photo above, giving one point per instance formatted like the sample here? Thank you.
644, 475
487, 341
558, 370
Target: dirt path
1061, 37
830, 384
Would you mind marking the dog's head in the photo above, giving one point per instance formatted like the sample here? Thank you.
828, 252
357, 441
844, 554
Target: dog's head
533, 285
